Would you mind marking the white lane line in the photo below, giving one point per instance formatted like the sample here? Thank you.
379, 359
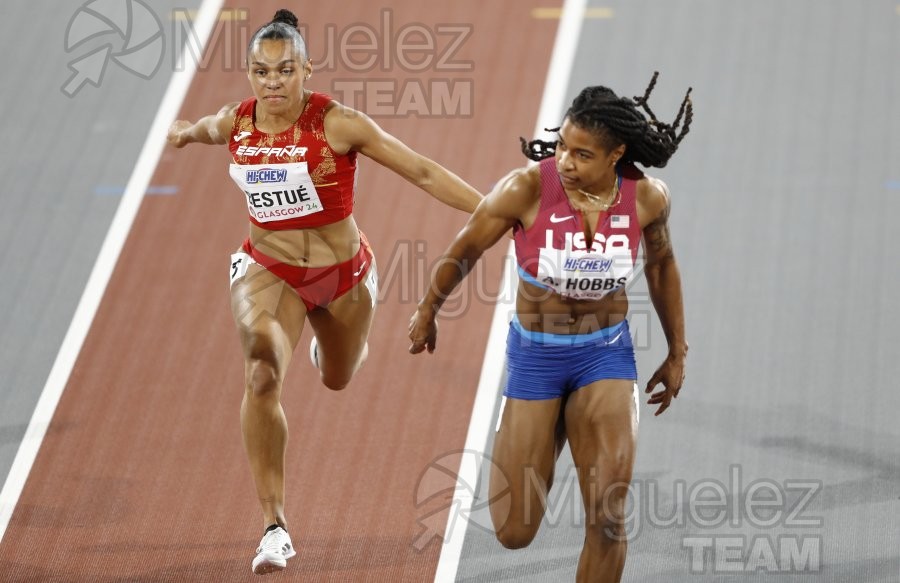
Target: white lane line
103, 268
552, 107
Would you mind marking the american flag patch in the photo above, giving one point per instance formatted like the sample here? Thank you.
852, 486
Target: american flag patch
619, 221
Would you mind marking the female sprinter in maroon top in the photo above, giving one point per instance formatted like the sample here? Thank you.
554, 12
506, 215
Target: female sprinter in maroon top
578, 218
295, 159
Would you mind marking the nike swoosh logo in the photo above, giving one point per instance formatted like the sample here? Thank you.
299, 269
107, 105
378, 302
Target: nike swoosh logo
556, 219
241, 136
616, 337
361, 267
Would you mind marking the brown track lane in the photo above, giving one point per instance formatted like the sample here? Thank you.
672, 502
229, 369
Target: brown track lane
142, 476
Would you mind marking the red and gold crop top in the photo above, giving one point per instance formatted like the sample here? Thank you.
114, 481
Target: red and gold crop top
291, 180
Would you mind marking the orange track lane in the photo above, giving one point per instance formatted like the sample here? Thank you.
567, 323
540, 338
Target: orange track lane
142, 476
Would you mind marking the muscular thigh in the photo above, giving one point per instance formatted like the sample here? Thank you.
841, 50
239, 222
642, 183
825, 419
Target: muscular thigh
268, 313
342, 327
524, 455
601, 424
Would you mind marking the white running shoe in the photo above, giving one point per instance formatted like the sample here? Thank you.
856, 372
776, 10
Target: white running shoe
314, 351
274, 550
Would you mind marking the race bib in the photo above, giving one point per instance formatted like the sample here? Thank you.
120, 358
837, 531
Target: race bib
584, 275
276, 192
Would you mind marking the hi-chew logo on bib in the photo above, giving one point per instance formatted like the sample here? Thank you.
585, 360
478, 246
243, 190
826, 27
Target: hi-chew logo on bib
588, 264
266, 175
278, 193
580, 271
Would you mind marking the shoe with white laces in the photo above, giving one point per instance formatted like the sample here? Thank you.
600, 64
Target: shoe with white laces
274, 550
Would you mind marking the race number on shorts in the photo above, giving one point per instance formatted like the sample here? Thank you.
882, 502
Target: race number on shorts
239, 264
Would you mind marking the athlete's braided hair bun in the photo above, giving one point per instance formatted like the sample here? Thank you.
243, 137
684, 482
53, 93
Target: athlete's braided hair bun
287, 17
283, 26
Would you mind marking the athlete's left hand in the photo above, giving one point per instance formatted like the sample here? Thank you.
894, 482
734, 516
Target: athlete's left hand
422, 331
671, 374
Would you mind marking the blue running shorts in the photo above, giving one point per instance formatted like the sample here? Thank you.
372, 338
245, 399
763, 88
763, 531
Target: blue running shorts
550, 366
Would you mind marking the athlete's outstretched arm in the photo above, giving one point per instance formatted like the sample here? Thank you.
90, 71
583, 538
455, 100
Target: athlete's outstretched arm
211, 129
497, 213
348, 129
664, 285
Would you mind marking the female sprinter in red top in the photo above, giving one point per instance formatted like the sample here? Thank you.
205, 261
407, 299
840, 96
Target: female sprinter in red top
577, 218
295, 159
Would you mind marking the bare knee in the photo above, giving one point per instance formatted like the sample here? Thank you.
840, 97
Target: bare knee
262, 378
606, 514
515, 538
336, 376
335, 384
606, 528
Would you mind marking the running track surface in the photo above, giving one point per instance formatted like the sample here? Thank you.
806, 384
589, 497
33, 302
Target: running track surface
783, 380
142, 475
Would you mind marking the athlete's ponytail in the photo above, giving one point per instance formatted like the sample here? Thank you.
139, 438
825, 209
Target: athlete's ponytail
617, 120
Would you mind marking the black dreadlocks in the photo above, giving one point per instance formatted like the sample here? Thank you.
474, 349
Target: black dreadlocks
617, 120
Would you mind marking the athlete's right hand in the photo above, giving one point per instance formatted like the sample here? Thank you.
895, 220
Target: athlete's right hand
177, 135
422, 331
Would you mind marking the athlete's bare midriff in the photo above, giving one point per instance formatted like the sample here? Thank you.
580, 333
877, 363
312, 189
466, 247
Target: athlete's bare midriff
541, 310
312, 247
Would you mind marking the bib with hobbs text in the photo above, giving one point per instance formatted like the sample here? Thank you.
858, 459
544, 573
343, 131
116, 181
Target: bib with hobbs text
586, 274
